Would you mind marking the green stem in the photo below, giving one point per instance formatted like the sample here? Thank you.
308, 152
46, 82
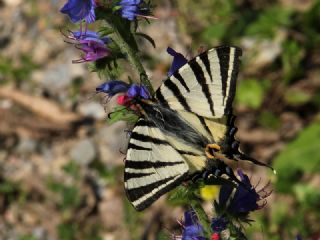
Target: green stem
202, 216
132, 54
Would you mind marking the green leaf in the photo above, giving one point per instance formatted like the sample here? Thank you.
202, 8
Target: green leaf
8, 187
179, 196
147, 37
278, 215
163, 235
307, 195
27, 237
185, 194
105, 31
71, 197
116, 8
296, 97
72, 168
301, 155
67, 231
269, 120
251, 92
121, 113
269, 21
214, 32
291, 58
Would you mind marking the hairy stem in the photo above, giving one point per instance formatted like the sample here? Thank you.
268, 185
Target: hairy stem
202, 216
128, 46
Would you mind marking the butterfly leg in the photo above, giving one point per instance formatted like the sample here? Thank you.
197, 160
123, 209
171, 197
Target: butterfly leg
196, 176
219, 171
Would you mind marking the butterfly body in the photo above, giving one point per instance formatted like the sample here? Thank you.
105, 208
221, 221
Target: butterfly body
186, 128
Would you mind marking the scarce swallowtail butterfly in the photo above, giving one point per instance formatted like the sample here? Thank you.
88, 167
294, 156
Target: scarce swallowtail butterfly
187, 127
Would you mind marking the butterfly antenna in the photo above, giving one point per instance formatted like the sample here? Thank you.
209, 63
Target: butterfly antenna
241, 156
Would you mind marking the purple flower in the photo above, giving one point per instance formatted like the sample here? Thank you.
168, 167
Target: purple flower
88, 35
93, 46
245, 199
112, 87
129, 9
136, 90
178, 60
92, 51
219, 224
79, 10
192, 229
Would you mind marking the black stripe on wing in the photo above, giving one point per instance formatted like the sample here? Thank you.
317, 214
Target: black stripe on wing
146, 203
145, 138
205, 60
204, 125
130, 175
137, 147
181, 80
161, 98
224, 58
178, 95
149, 164
199, 74
187, 153
234, 75
143, 190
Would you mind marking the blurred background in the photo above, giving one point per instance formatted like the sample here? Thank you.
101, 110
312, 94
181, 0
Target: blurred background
61, 164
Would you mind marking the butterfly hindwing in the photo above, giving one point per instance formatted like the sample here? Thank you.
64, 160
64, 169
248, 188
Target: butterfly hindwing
205, 85
152, 167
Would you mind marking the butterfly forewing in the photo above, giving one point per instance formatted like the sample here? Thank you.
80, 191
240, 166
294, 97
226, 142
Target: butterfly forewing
152, 167
205, 85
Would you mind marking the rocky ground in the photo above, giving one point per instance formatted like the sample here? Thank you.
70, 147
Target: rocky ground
60, 162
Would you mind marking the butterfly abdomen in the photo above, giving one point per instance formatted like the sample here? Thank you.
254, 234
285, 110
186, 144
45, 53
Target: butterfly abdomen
173, 125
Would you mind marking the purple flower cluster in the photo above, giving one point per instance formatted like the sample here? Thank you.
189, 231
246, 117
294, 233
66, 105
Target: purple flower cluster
246, 198
79, 10
129, 9
130, 91
92, 45
192, 228
231, 209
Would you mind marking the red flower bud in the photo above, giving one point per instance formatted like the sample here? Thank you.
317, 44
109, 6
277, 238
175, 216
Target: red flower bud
123, 100
215, 236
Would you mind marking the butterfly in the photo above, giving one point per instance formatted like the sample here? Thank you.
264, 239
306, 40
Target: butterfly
186, 127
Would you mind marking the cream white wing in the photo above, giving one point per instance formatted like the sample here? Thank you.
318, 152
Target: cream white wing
152, 167
205, 86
